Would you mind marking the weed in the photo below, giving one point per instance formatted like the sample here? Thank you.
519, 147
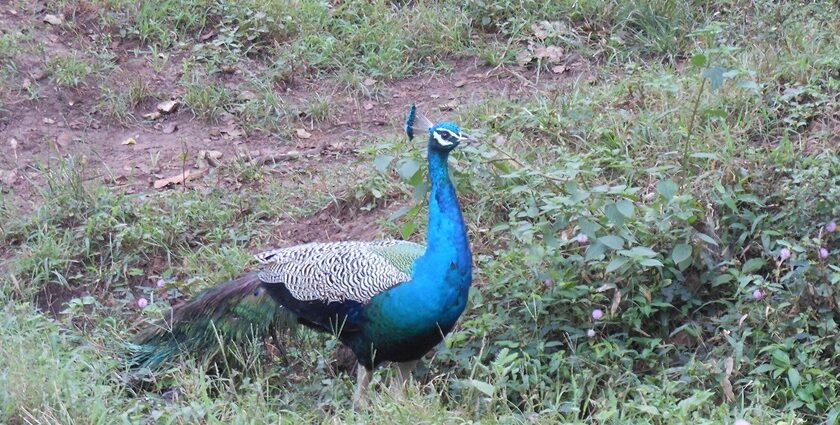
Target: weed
118, 102
68, 71
208, 101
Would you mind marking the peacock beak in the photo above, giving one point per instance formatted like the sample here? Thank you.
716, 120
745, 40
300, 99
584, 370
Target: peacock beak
466, 137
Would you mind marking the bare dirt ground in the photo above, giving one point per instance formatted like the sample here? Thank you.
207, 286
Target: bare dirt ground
139, 156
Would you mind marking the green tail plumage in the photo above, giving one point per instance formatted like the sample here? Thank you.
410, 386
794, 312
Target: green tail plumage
234, 311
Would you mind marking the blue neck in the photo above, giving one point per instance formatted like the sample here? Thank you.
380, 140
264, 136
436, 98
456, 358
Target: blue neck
447, 232
430, 303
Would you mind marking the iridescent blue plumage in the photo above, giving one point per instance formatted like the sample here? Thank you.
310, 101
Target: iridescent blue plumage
386, 300
409, 121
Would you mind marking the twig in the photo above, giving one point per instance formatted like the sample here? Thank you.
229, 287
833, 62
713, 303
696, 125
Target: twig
522, 164
691, 127
288, 156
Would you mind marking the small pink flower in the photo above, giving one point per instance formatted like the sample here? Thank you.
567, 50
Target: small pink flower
549, 283
597, 314
142, 303
741, 422
758, 294
582, 238
831, 226
590, 333
823, 253
160, 283
784, 253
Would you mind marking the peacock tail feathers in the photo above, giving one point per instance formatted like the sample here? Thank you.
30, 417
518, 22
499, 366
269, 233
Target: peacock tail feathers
235, 311
340, 271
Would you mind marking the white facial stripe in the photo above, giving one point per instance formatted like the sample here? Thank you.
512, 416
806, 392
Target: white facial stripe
440, 139
449, 133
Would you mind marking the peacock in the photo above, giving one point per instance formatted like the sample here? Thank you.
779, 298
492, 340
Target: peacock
387, 300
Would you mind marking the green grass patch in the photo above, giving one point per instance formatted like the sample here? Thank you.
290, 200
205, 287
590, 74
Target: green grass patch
652, 240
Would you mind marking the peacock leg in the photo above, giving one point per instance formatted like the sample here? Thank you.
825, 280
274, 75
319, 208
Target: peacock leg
403, 374
362, 381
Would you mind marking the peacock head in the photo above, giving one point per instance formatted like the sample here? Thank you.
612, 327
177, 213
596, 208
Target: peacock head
443, 136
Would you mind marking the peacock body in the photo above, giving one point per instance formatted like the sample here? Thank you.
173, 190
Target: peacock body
387, 300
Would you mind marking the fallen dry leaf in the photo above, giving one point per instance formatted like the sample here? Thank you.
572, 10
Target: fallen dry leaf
303, 134
54, 19
230, 132
524, 57
368, 106
369, 81
151, 116
616, 301
460, 83
552, 53
727, 389
130, 141
178, 179
49, 121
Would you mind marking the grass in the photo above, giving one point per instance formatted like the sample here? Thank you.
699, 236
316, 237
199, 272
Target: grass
699, 143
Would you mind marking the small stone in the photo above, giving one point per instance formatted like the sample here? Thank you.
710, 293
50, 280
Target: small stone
214, 158
368, 106
168, 107
170, 128
460, 83
54, 19
449, 106
49, 121
215, 132
38, 74
64, 139
7, 177
151, 116
303, 134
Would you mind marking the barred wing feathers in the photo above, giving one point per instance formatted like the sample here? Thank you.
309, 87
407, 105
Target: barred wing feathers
340, 271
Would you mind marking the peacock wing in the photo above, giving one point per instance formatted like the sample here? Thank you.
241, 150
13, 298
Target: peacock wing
339, 271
